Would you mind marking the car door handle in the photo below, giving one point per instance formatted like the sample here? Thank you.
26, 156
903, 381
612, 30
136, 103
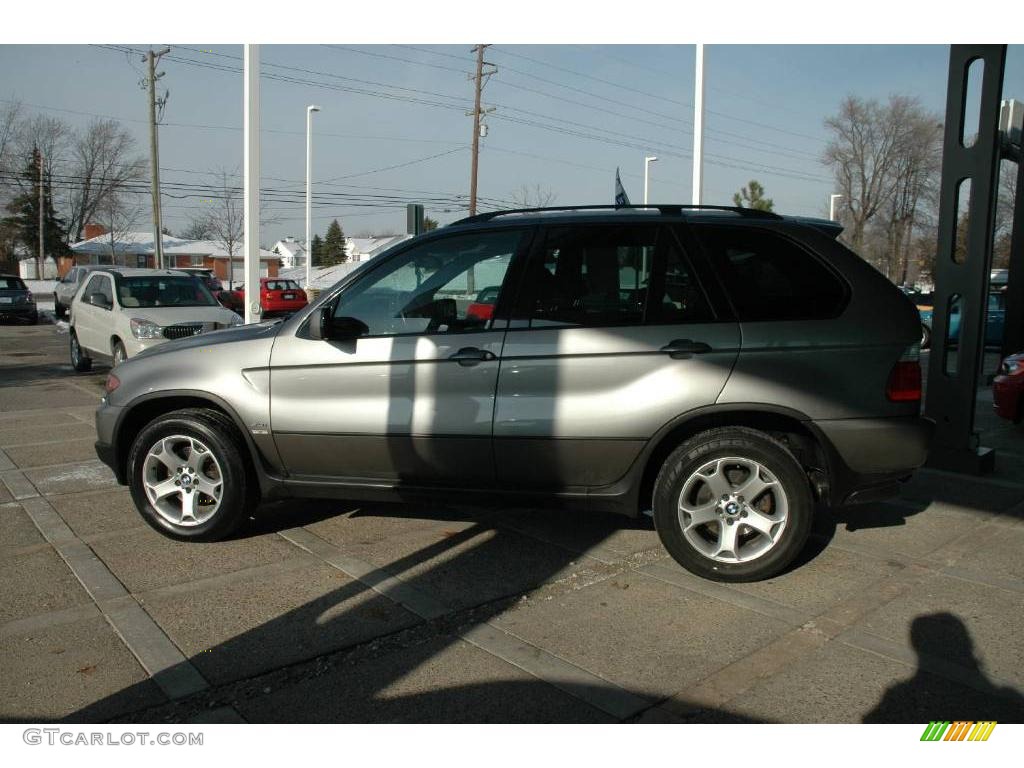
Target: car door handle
468, 356
681, 349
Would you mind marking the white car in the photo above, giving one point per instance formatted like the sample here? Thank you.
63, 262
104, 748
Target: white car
117, 313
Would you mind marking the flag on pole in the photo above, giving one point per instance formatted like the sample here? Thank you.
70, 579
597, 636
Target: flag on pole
621, 198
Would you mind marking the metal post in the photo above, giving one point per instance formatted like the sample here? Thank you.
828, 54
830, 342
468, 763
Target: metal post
647, 170
955, 364
42, 220
832, 206
309, 192
698, 129
251, 182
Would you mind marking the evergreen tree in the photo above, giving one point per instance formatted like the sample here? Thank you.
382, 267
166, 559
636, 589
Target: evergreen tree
316, 250
333, 251
24, 221
752, 196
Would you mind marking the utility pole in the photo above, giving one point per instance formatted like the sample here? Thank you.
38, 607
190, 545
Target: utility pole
42, 219
478, 113
151, 58
251, 179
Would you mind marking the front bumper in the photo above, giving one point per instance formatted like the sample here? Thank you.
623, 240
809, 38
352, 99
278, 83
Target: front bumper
1007, 393
107, 417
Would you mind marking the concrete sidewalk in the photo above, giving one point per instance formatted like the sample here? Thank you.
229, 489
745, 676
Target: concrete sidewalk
907, 611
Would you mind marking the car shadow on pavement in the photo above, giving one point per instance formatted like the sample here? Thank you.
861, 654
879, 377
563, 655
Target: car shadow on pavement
943, 645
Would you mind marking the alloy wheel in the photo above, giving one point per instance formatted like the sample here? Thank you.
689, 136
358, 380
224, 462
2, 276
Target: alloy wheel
183, 480
733, 510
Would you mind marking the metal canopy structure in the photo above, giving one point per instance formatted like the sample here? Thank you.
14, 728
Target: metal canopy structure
967, 207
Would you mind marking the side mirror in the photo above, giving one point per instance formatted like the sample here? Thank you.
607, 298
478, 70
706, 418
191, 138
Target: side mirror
323, 325
97, 300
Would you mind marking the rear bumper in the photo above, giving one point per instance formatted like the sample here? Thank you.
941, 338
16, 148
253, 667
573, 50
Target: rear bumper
18, 311
869, 457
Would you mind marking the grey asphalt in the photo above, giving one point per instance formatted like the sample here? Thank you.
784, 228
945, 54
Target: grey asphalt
905, 611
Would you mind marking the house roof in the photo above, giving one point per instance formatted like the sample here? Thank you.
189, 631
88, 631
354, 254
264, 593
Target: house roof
141, 243
290, 247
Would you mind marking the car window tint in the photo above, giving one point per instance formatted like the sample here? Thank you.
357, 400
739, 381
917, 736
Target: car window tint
430, 287
769, 277
589, 276
682, 299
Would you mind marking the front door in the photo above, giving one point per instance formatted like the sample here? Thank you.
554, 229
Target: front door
612, 337
411, 401
93, 321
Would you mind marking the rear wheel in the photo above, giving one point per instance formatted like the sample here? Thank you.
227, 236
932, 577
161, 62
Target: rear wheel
187, 475
80, 361
733, 504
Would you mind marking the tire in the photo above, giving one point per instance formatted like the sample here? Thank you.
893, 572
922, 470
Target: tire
181, 436
926, 336
783, 509
118, 352
79, 360
59, 310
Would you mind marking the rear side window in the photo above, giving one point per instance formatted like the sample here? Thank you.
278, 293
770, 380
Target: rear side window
768, 277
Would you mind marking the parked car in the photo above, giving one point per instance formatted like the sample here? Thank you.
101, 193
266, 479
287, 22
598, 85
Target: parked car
68, 286
16, 300
208, 276
726, 369
277, 296
118, 313
1008, 388
994, 323
483, 305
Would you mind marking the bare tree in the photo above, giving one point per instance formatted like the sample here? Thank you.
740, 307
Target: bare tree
118, 213
199, 228
227, 218
535, 197
10, 119
51, 136
104, 163
863, 152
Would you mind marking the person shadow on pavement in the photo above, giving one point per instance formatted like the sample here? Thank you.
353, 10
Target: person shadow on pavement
943, 644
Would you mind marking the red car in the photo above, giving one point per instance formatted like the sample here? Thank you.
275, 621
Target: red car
1008, 388
483, 308
277, 296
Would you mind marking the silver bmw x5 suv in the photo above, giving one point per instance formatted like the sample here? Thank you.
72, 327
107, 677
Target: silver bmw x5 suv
724, 369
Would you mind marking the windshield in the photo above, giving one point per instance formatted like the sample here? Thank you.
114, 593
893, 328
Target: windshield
163, 291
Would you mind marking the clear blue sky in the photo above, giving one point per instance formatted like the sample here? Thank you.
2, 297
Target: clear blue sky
608, 106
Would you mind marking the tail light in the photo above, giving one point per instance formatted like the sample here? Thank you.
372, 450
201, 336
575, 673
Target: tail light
111, 383
904, 383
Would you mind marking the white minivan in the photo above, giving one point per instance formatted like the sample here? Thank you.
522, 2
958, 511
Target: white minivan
117, 313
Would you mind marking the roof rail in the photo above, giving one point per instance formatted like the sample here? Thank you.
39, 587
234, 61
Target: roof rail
666, 209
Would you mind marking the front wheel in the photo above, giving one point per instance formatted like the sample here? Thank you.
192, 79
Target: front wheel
187, 475
119, 354
79, 360
733, 504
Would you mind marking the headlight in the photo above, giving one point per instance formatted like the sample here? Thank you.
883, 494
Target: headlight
144, 329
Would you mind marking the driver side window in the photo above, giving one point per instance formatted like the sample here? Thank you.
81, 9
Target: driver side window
449, 285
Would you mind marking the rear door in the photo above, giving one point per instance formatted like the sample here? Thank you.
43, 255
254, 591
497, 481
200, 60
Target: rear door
611, 338
411, 401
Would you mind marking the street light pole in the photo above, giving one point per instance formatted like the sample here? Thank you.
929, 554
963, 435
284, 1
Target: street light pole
832, 206
698, 129
647, 170
309, 192
251, 179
